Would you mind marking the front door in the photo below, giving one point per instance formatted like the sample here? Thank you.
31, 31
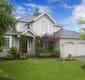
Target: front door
29, 45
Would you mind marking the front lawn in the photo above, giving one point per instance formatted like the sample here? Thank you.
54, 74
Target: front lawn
44, 70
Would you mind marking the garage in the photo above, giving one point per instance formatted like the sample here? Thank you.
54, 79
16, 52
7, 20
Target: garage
80, 48
73, 48
69, 48
69, 43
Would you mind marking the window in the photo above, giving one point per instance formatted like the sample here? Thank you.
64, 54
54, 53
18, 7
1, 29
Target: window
7, 39
30, 43
28, 26
44, 27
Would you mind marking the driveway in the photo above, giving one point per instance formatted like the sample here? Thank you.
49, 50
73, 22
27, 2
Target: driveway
80, 58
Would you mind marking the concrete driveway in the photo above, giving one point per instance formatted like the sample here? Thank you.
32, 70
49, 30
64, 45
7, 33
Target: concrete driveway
80, 58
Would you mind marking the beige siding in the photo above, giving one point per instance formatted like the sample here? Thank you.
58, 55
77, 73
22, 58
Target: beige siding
37, 26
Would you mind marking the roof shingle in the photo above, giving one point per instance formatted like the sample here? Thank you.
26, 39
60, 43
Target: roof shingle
66, 34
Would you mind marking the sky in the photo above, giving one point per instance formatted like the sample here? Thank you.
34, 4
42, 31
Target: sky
64, 12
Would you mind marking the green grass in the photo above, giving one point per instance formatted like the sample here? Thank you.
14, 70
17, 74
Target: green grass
44, 70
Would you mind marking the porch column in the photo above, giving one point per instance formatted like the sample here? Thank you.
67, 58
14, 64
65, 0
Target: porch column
10, 41
33, 45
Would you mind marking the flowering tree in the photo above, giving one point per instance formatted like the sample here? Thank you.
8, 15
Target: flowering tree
48, 41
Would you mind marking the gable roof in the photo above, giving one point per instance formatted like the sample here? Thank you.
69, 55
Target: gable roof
34, 18
27, 19
66, 34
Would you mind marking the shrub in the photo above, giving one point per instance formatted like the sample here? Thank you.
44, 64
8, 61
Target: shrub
9, 56
23, 56
83, 66
1, 49
69, 56
56, 52
41, 50
44, 55
4, 76
13, 50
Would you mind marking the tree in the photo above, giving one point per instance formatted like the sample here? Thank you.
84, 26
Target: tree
6, 18
82, 30
82, 33
48, 41
36, 13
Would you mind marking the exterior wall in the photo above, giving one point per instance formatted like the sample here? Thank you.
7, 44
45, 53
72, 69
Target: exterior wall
37, 26
20, 27
57, 43
63, 41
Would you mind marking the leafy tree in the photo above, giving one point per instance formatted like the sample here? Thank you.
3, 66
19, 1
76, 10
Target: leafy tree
81, 22
6, 18
36, 13
82, 33
82, 30
48, 41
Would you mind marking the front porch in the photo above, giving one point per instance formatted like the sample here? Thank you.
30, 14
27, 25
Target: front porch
27, 43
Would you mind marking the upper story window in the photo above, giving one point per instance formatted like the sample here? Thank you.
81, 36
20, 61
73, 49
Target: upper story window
28, 26
44, 26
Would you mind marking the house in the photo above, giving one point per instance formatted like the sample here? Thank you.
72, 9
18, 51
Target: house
32, 26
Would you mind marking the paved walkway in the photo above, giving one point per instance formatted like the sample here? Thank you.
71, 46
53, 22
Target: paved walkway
80, 58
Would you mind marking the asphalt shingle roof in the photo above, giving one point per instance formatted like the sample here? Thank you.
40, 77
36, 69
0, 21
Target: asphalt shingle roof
27, 18
66, 34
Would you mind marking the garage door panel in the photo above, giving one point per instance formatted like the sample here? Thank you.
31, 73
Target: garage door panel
69, 48
80, 49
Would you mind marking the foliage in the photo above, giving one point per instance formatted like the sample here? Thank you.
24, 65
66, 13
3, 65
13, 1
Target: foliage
36, 13
82, 33
83, 66
1, 49
82, 30
23, 56
4, 76
70, 56
9, 56
2, 41
45, 55
6, 18
23, 43
81, 21
13, 51
41, 50
37, 44
42, 53
56, 52
48, 41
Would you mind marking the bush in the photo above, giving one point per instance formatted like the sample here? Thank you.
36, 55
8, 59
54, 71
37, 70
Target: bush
1, 49
56, 52
9, 56
83, 66
4, 76
13, 50
23, 56
44, 55
41, 50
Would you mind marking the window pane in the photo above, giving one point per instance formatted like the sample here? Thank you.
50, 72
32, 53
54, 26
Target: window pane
6, 46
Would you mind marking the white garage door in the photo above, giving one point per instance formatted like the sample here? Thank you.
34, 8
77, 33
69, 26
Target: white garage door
74, 49
69, 48
80, 48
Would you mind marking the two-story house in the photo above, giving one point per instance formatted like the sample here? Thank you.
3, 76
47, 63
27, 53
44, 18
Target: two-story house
32, 26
